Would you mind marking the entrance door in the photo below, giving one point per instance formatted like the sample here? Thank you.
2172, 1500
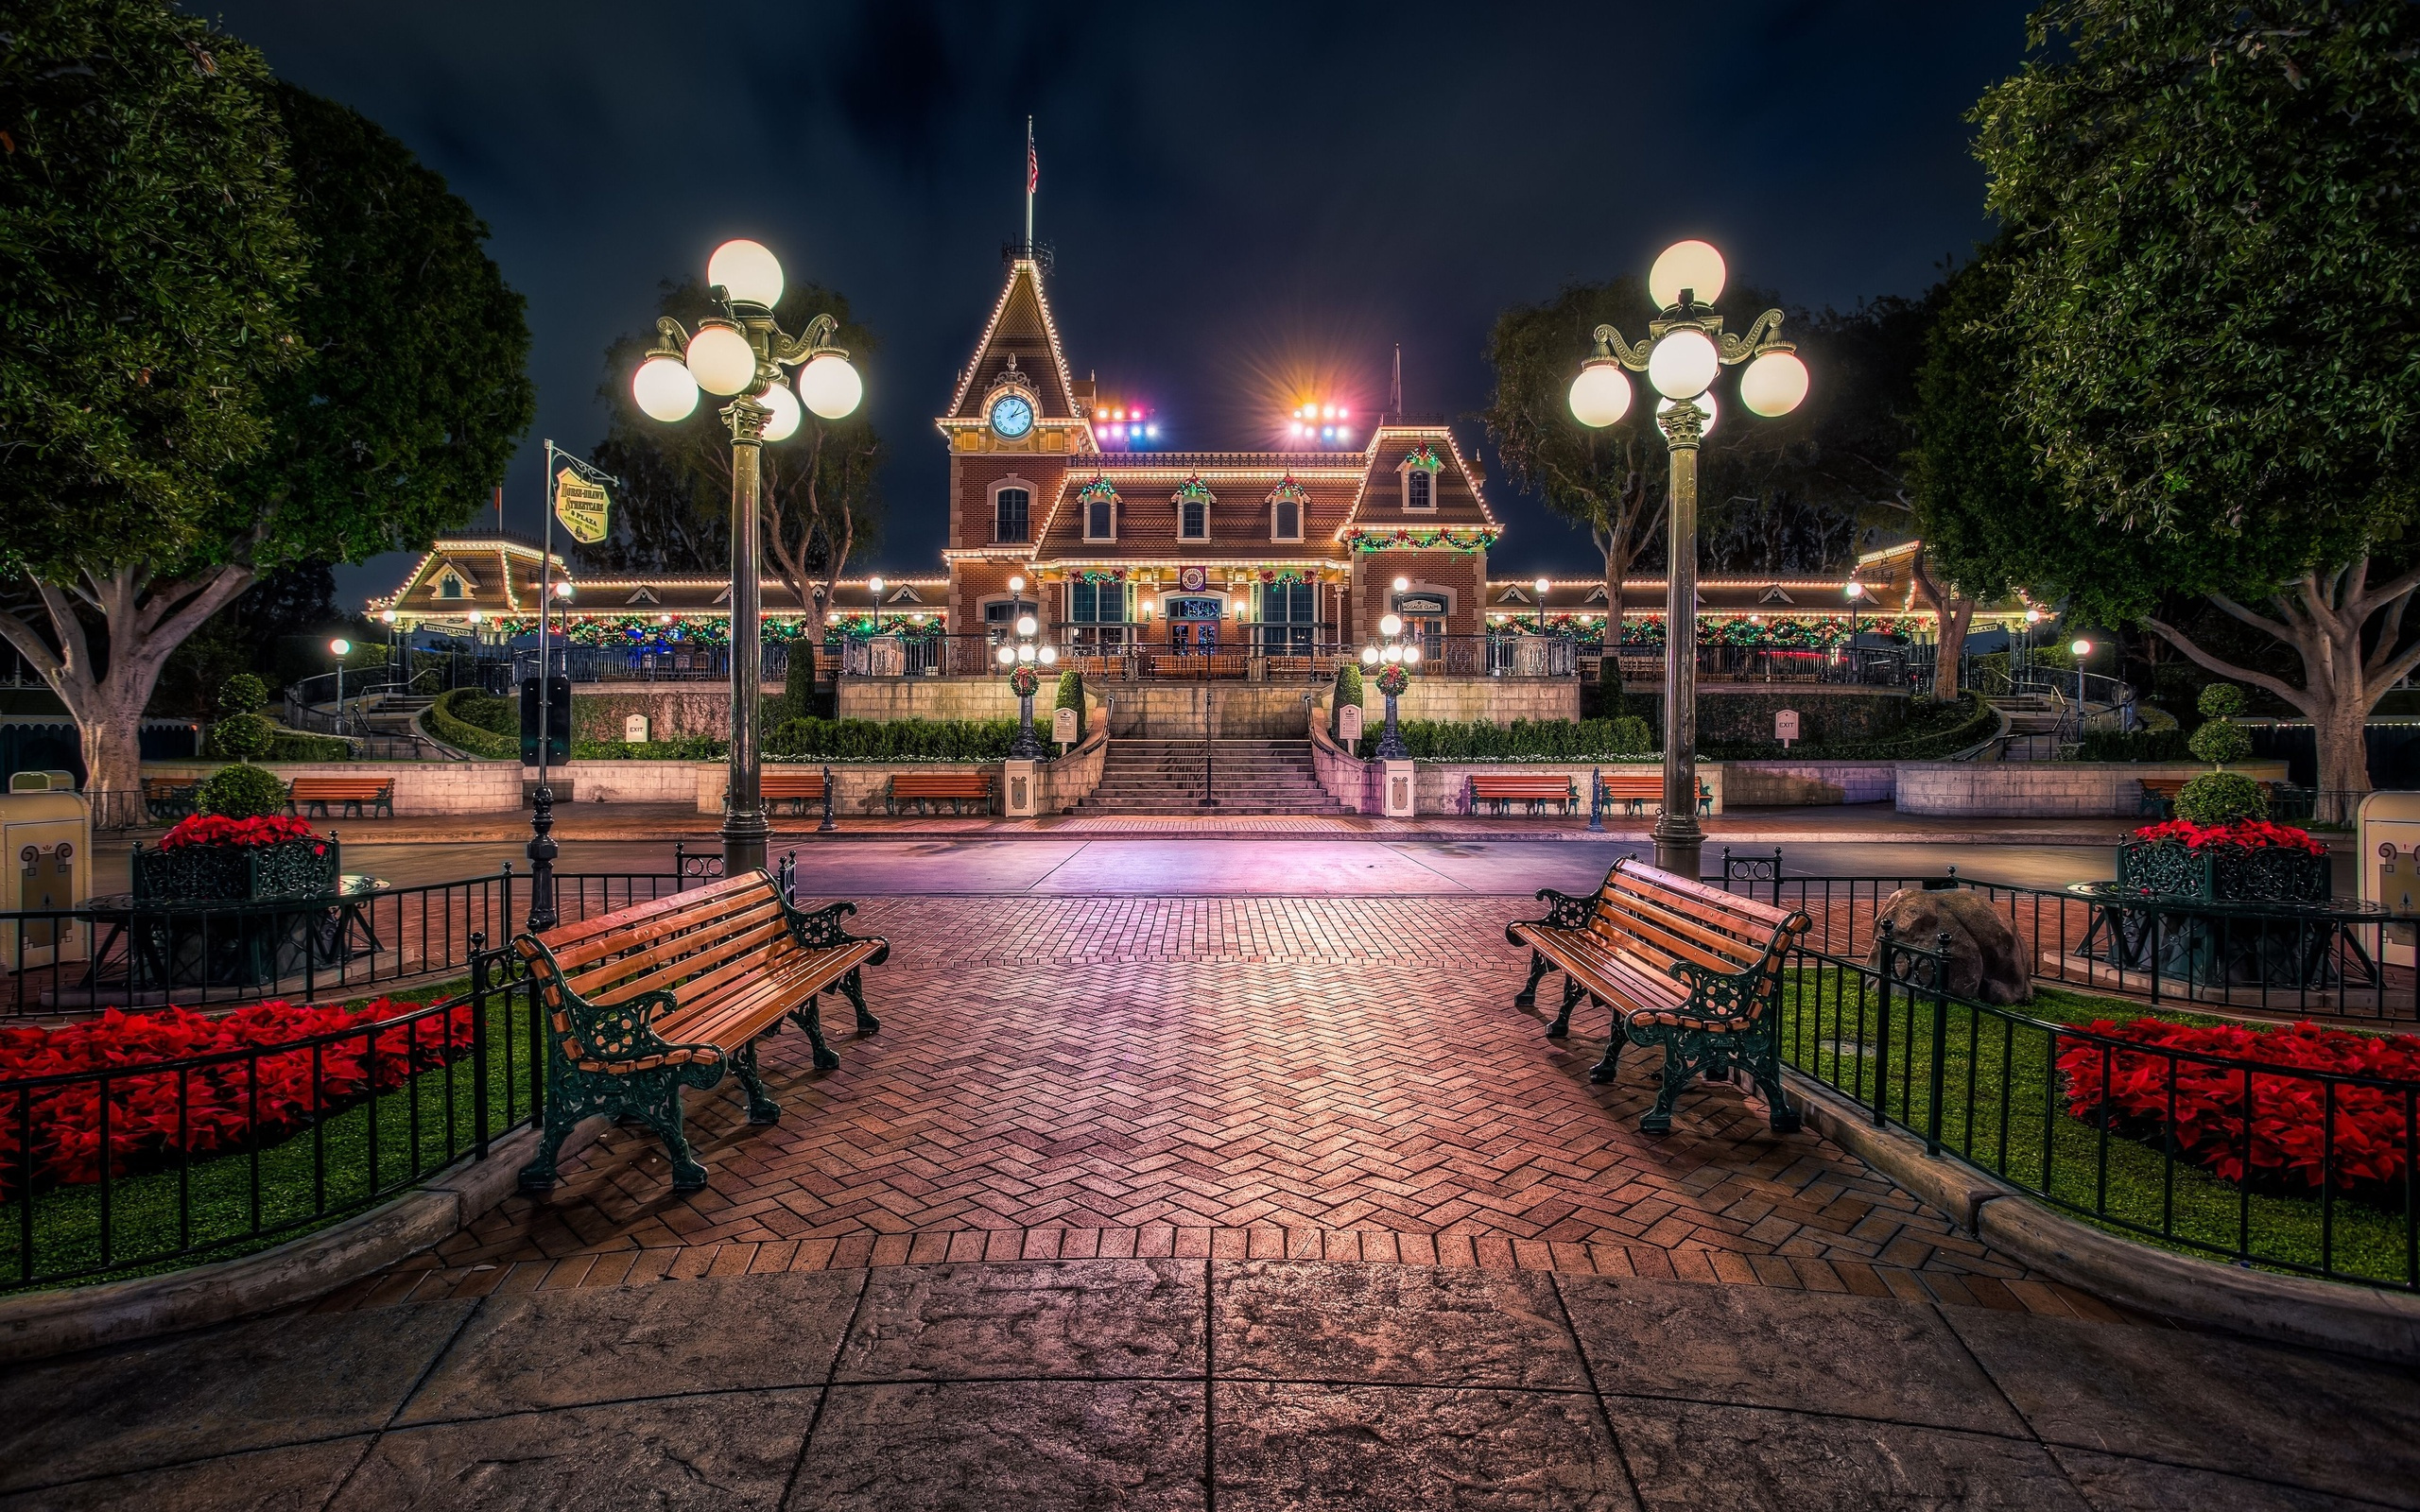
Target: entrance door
1193, 626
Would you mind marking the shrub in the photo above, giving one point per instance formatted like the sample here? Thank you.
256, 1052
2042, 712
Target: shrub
1348, 691
2220, 741
470, 719
1522, 740
677, 748
892, 740
797, 684
2221, 798
302, 746
242, 694
1071, 696
240, 792
2220, 700
243, 737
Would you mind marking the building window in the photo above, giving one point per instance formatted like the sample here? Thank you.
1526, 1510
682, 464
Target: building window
1285, 521
1098, 611
1287, 625
1193, 519
450, 587
1100, 519
1419, 489
1010, 509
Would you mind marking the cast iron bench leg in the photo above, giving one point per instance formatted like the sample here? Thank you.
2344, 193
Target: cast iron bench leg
855, 989
761, 1107
1572, 992
1603, 1072
1527, 996
810, 1019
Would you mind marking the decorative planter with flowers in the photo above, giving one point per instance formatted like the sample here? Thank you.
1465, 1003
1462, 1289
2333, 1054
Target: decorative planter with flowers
227, 902
2254, 910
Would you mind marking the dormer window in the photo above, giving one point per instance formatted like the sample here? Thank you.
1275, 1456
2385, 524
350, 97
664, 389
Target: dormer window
1192, 503
449, 587
1098, 500
1286, 511
1420, 470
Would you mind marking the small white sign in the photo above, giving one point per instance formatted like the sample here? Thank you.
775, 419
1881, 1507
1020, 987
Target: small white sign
1785, 725
1063, 726
1348, 723
635, 730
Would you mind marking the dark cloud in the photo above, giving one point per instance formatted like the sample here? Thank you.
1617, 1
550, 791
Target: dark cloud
1237, 191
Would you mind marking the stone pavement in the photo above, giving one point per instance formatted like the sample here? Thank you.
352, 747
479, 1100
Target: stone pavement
1210, 1383
1329, 1077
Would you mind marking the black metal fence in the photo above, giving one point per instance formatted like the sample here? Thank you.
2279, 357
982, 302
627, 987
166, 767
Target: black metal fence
2231, 1156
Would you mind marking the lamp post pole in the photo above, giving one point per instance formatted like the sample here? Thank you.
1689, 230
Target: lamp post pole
1686, 351
745, 829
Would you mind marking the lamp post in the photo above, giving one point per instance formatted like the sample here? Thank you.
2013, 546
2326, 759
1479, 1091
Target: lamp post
1542, 586
339, 648
2082, 649
1023, 659
738, 355
1686, 351
1393, 655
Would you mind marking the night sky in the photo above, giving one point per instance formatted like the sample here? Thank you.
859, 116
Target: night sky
1246, 198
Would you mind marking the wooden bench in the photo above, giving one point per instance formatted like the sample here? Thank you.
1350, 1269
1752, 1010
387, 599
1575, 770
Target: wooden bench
930, 787
1680, 964
1532, 788
357, 794
1638, 789
648, 1000
167, 798
798, 786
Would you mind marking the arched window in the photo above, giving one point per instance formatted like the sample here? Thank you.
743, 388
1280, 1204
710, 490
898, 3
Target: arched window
449, 587
1012, 514
1417, 490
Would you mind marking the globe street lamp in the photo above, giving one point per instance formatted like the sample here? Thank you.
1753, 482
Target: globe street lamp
2082, 649
1685, 350
738, 353
1541, 606
339, 648
1023, 660
1392, 656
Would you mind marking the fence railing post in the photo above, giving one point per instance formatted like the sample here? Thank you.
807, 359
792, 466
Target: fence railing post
1884, 952
479, 1040
1940, 1041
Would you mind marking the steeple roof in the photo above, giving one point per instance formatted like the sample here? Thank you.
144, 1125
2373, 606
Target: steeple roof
1020, 327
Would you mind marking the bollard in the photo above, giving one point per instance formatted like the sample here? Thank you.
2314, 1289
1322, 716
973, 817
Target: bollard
827, 825
1597, 800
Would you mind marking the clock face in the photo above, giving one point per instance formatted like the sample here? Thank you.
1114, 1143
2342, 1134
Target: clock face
1011, 415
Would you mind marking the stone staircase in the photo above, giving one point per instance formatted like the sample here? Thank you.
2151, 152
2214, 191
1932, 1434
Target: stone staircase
1247, 777
393, 713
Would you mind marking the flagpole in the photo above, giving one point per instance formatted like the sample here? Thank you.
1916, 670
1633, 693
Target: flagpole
542, 801
1028, 187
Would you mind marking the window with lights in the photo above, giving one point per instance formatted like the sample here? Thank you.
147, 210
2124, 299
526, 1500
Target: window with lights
1011, 510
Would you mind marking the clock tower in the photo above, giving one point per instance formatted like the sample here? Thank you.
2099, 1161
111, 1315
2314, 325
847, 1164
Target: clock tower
1016, 424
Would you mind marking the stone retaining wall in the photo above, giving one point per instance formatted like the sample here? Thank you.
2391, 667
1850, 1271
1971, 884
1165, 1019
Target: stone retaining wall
2045, 789
1793, 784
421, 787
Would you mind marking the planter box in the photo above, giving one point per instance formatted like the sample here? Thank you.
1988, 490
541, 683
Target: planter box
2223, 873
237, 873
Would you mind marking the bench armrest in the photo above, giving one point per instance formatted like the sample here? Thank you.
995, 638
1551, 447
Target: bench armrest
820, 929
1564, 911
1722, 994
608, 1036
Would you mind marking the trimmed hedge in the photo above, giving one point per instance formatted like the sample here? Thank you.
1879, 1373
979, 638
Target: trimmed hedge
478, 722
1933, 732
678, 749
2137, 745
281, 744
1071, 696
1522, 740
892, 740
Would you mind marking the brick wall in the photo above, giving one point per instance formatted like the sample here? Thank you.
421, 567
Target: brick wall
2045, 789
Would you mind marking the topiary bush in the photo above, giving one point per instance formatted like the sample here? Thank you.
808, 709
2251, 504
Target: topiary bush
797, 684
1348, 691
245, 737
1071, 696
240, 792
2219, 741
2221, 798
242, 694
2220, 700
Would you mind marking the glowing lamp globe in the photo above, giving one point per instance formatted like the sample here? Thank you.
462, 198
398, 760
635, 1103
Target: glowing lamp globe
1411, 656
1391, 624
748, 271
387, 615
2082, 649
663, 388
1704, 402
722, 361
344, 647
1016, 585
1400, 583
1541, 586
1048, 654
1694, 268
830, 387
1681, 366
563, 590
787, 414
873, 586
1007, 656
1369, 656
1855, 588
1027, 624
1392, 654
1774, 383
1601, 395
1025, 653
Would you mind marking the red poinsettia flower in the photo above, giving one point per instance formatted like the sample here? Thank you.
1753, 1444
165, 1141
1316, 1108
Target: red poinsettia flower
2249, 833
215, 829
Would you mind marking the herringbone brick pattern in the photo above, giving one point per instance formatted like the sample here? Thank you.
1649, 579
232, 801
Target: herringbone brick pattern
1336, 1078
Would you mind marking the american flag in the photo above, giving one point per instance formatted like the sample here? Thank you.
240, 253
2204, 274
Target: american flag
1032, 161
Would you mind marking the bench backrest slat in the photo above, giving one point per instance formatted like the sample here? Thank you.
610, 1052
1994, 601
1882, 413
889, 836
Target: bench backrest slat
1667, 933
940, 784
566, 940
696, 953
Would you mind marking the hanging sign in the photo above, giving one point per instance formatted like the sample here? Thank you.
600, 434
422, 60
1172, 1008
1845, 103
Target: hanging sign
581, 506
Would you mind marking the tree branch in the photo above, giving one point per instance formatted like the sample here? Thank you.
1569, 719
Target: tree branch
2227, 669
2290, 635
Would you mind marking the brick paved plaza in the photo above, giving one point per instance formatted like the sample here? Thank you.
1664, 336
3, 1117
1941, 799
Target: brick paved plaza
1337, 1078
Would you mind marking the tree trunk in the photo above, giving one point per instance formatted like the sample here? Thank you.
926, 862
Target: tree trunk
145, 622
1952, 615
2326, 618
1613, 643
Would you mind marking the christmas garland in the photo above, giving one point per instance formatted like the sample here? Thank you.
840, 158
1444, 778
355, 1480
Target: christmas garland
1426, 459
1393, 679
1025, 682
1460, 540
1193, 491
1100, 487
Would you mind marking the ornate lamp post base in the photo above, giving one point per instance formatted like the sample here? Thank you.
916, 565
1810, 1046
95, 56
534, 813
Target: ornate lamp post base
1390, 745
542, 861
746, 834
1027, 746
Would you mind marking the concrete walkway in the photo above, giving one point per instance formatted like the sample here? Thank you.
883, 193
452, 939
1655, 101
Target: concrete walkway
1180, 1383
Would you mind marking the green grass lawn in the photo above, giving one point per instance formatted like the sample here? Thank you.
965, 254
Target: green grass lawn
237, 1203
2001, 1111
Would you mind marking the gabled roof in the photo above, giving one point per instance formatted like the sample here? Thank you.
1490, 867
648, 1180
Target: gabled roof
1240, 483
1460, 504
1020, 324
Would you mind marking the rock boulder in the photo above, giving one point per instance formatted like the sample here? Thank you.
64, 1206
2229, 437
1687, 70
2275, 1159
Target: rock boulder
1987, 961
